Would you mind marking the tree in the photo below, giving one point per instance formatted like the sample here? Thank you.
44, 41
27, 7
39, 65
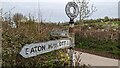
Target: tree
85, 10
17, 17
106, 18
31, 18
1, 14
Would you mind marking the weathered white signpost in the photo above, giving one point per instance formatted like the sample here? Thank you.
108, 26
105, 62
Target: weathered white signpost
30, 50
61, 33
71, 10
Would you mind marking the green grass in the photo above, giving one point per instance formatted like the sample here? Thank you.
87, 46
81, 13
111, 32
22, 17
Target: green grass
103, 43
98, 45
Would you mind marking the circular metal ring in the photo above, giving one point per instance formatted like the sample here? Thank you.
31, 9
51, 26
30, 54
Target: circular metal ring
74, 14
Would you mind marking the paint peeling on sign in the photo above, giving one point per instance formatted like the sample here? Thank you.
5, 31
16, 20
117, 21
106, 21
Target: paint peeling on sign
62, 33
31, 50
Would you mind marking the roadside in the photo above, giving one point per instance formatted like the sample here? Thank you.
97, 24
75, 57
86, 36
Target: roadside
94, 60
108, 55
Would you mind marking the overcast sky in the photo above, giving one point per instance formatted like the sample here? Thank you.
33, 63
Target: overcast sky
55, 0
51, 12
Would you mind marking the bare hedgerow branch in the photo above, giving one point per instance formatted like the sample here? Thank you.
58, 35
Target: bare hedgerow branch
84, 10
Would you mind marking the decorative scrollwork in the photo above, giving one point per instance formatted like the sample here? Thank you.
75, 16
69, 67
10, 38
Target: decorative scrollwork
74, 14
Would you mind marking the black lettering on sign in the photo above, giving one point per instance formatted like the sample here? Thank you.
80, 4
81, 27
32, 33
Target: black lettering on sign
60, 43
43, 47
32, 50
35, 48
50, 46
55, 45
26, 51
64, 42
39, 48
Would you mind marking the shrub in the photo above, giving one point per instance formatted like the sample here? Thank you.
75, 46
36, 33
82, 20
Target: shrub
27, 33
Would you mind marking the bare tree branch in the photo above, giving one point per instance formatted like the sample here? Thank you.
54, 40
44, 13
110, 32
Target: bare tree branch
84, 10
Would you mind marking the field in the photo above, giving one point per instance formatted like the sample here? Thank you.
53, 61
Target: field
99, 38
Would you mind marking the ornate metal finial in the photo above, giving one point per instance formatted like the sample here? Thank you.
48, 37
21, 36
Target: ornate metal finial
72, 10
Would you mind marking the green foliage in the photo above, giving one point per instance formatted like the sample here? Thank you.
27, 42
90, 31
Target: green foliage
98, 45
27, 33
99, 20
106, 18
100, 37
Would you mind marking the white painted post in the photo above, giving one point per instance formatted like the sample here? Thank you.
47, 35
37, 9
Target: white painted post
71, 37
72, 15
